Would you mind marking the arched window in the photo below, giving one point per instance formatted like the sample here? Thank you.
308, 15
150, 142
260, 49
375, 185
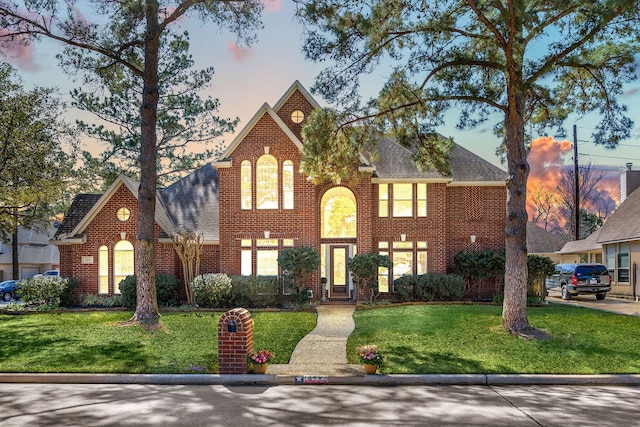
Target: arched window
267, 182
122, 263
245, 184
287, 184
338, 212
103, 270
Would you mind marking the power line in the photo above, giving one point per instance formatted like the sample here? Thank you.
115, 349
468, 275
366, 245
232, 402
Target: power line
617, 145
608, 157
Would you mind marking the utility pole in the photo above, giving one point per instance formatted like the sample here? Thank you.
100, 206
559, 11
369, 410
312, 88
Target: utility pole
576, 182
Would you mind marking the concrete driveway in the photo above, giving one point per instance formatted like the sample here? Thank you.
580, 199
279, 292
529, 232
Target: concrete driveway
610, 303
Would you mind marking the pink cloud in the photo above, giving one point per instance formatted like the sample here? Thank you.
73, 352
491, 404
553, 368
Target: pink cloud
239, 54
546, 162
272, 5
18, 52
631, 91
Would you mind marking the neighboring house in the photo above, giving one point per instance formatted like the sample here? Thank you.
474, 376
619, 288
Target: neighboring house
620, 240
543, 243
584, 250
35, 254
617, 243
253, 202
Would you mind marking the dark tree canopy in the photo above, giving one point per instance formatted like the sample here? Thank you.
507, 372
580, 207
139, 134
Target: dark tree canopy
525, 65
131, 35
37, 153
186, 126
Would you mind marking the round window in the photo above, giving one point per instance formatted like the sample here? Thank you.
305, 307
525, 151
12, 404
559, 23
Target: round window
297, 116
123, 214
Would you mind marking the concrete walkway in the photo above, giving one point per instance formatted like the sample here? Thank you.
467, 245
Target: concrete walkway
323, 350
610, 303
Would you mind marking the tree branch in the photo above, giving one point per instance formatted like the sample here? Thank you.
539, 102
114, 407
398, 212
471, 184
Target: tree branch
552, 61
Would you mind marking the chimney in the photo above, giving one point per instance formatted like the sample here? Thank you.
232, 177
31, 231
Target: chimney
629, 181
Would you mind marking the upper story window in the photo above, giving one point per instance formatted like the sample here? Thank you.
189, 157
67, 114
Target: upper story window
383, 200
402, 200
421, 199
245, 184
338, 212
267, 182
287, 184
297, 116
123, 214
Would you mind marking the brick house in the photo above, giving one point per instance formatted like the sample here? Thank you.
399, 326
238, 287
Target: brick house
252, 203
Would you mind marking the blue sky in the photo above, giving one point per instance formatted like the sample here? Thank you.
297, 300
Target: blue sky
246, 78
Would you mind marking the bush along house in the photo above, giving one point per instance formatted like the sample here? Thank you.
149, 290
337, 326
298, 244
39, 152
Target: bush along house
252, 203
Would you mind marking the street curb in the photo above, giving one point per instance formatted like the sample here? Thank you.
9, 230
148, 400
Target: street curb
369, 380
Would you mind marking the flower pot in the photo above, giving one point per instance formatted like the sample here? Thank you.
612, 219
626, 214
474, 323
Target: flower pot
370, 369
260, 368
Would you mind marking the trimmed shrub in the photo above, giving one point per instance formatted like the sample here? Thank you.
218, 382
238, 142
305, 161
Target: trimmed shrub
255, 291
128, 294
439, 287
404, 289
481, 270
166, 290
364, 268
69, 296
42, 292
212, 290
297, 264
539, 267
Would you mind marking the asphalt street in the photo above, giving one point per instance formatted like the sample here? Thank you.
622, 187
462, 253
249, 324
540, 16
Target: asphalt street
321, 405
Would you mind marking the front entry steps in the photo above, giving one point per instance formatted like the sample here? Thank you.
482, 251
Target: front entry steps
338, 301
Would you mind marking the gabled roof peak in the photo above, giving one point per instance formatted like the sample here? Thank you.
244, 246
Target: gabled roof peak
296, 86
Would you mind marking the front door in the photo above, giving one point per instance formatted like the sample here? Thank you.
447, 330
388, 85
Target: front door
339, 272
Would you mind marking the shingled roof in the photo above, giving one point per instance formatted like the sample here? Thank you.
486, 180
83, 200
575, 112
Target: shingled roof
86, 206
540, 241
623, 225
80, 206
397, 162
192, 203
588, 244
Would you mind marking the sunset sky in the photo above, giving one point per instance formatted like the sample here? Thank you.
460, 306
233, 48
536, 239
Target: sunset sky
245, 78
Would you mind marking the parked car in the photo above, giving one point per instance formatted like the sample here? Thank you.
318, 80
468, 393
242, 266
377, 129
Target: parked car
581, 278
48, 273
8, 290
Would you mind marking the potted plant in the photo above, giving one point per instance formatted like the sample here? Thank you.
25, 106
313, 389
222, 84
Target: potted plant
260, 360
371, 358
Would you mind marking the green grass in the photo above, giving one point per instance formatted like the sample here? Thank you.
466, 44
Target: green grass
97, 342
420, 339
466, 339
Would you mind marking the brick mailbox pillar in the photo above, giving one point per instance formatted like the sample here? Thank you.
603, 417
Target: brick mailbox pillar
235, 341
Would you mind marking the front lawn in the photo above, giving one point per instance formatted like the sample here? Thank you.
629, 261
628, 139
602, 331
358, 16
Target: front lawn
420, 339
97, 341
468, 339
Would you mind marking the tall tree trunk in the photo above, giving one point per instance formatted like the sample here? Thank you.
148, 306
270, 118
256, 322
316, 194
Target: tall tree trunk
514, 311
15, 260
147, 304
